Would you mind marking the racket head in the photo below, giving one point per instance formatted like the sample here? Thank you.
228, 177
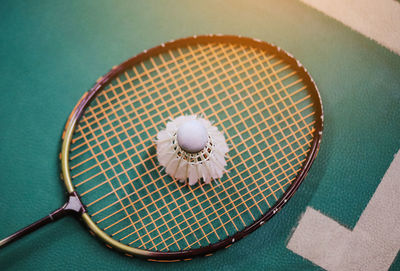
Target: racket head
293, 179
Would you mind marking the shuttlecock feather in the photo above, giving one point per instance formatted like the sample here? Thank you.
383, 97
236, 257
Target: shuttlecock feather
191, 148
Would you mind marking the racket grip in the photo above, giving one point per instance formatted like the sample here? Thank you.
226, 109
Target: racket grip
73, 206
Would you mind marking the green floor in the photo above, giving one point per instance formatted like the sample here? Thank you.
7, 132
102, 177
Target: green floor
53, 51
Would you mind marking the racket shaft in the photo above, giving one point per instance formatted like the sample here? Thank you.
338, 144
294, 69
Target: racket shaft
26, 230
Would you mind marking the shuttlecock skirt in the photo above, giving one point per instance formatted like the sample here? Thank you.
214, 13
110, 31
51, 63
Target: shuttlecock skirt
209, 163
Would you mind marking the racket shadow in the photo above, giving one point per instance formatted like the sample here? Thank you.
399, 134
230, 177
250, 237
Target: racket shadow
43, 240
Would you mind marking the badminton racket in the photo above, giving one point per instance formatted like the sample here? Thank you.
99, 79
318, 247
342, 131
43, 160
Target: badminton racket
258, 95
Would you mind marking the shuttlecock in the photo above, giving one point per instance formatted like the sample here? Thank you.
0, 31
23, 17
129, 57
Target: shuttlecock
191, 148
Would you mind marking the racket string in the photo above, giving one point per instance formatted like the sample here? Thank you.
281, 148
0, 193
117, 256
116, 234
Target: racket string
240, 196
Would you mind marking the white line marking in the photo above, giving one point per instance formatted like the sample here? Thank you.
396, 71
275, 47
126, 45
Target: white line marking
373, 243
378, 20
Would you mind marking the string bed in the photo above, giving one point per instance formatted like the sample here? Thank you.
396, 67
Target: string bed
257, 99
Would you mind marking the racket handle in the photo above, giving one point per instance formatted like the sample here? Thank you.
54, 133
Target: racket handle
73, 206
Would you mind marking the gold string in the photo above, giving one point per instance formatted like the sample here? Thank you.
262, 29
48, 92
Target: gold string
203, 79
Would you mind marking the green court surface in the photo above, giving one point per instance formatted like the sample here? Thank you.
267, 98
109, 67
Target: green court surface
51, 52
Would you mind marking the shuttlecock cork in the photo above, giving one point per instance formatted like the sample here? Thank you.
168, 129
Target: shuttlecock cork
191, 148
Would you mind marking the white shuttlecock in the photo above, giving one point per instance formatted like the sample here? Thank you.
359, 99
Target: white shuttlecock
191, 148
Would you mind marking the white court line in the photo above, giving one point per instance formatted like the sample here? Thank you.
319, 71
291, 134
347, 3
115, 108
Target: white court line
373, 243
376, 19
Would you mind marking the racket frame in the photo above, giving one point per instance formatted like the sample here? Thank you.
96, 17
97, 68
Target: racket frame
116, 70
